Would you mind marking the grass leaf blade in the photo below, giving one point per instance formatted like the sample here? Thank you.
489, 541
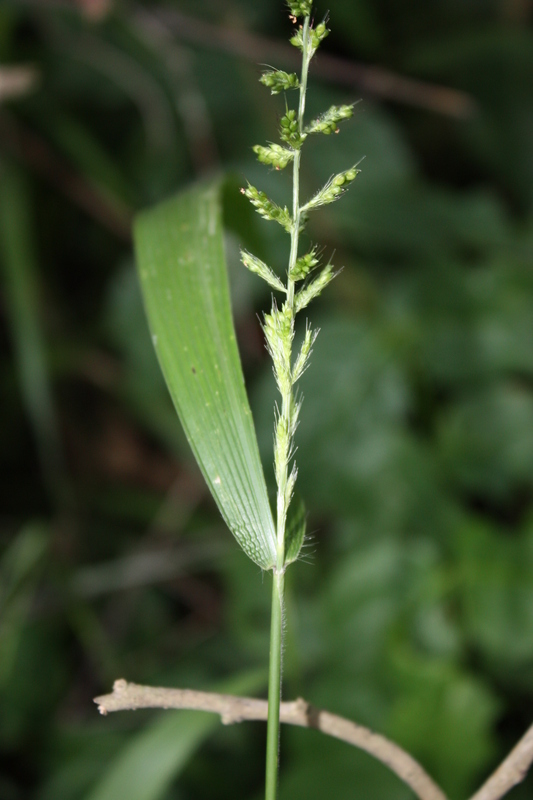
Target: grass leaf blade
180, 255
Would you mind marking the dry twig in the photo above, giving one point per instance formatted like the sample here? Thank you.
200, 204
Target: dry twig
17, 81
511, 771
130, 696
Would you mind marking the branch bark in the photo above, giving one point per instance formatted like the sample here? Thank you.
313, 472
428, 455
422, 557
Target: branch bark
511, 771
131, 696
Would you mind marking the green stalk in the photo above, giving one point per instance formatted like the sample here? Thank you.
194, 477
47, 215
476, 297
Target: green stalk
287, 397
276, 632
274, 687
295, 233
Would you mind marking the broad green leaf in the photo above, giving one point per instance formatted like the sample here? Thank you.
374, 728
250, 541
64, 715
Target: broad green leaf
181, 263
148, 764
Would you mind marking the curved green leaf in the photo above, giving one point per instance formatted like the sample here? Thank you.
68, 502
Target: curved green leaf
181, 263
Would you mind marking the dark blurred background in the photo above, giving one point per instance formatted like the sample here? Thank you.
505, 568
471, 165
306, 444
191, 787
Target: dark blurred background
412, 611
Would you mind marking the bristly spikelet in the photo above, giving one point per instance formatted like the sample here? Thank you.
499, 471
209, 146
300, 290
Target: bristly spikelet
255, 264
300, 365
267, 208
278, 81
333, 190
329, 120
300, 8
274, 155
304, 265
316, 36
279, 333
313, 289
279, 324
289, 130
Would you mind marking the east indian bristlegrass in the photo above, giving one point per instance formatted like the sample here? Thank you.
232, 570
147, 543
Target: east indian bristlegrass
306, 278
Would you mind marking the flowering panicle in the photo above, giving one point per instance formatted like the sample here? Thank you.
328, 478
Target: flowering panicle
279, 324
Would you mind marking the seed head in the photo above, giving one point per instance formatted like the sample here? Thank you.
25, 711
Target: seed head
289, 129
255, 264
328, 121
274, 155
304, 265
267, 208
333, 189
299, 8
278, 81
313, 289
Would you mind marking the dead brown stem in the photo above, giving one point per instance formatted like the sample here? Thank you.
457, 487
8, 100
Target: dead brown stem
130, 696
511, 771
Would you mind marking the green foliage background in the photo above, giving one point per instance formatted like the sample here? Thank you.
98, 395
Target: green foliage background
413, 610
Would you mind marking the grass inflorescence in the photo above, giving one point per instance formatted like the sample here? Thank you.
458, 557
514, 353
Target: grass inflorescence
306, 278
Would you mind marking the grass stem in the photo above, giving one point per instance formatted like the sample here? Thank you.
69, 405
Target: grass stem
283, 500
274, 687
